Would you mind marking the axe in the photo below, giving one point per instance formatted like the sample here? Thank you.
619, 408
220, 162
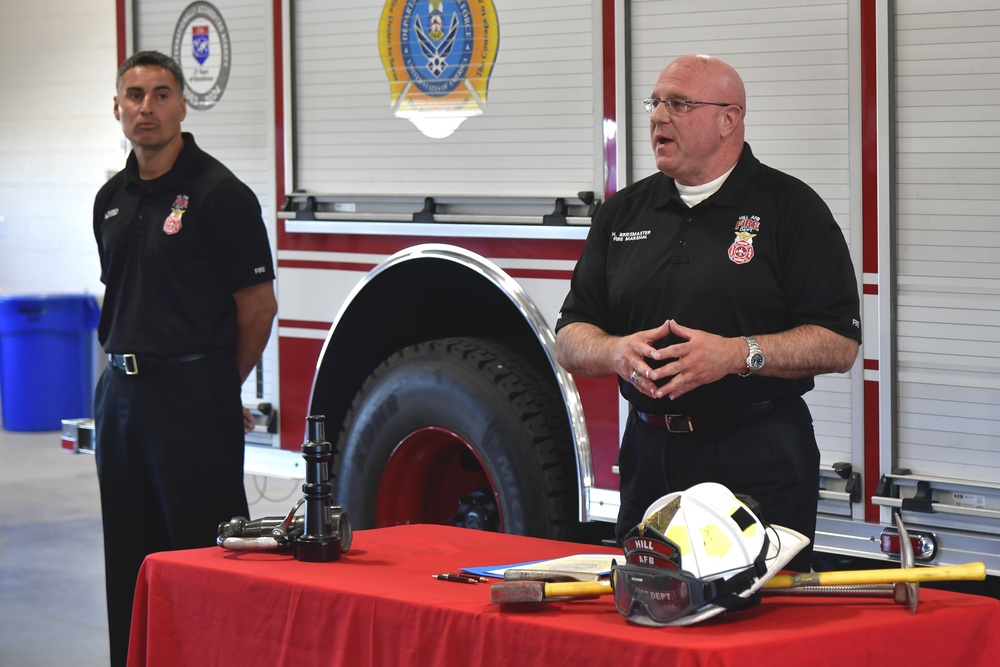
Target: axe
902, 593
904, 575
908, 592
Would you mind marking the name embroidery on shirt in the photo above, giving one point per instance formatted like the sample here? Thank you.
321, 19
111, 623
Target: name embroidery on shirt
173, 224
618, 237
741, 251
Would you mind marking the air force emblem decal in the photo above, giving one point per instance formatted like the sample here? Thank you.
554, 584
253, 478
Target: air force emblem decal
200, 43
438, 56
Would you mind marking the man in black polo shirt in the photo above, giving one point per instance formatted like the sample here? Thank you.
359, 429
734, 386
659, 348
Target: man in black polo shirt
187, 311
716, 289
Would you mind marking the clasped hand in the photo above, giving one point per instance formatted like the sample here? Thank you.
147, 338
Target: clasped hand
701, 358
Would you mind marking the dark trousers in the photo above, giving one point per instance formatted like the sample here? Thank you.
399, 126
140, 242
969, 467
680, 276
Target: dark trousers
169, 450
772, 457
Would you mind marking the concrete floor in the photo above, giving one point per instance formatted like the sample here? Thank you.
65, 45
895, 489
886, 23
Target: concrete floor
52, 607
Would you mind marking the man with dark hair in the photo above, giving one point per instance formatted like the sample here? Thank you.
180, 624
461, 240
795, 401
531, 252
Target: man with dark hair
715, 289
187, 312
151, 59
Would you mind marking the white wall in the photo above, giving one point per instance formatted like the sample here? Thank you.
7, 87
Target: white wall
58, 141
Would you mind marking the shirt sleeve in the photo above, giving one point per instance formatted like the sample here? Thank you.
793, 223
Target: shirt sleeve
239, 236
820, 279
587, 300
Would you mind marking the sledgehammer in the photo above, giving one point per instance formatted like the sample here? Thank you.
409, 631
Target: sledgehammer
545, 591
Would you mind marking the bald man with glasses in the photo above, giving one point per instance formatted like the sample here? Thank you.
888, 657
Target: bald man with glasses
716, 289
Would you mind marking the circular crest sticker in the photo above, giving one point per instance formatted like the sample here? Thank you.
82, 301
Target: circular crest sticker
201, 47
438, 56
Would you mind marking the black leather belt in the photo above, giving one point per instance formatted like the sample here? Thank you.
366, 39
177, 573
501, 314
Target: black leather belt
685, 424
133, 364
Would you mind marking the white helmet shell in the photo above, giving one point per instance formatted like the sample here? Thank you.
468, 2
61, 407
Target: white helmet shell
718, 535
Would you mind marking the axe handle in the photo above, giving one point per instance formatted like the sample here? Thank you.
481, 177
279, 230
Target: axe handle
967, 572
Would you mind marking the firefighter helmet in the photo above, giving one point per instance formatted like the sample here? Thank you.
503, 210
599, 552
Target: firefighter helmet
696, 554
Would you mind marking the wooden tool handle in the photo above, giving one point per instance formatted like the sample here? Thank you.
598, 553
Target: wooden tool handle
967, 572
576, 588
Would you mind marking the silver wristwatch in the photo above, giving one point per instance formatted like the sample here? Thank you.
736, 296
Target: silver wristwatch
755, 359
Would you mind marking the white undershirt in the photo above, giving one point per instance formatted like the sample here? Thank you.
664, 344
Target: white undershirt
692, 195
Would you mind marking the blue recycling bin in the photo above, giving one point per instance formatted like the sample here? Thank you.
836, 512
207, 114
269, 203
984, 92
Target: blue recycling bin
46, 360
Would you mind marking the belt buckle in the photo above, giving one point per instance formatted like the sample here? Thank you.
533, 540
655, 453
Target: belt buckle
130, 364
679, 423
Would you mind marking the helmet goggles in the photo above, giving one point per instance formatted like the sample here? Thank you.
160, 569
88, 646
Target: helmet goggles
660, 595
652, 588
653, 595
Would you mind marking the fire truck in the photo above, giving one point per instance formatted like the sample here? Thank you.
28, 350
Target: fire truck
429, 171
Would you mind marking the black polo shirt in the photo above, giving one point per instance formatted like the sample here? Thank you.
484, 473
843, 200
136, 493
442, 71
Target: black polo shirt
173, 251
762, 255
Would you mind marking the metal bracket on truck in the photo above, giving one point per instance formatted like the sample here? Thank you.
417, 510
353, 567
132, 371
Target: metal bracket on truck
949, 521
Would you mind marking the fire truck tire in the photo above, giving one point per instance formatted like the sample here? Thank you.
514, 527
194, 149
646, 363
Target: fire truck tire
458, 431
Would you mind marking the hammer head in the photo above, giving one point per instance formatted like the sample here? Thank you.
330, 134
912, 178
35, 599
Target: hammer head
517, 591
546, 591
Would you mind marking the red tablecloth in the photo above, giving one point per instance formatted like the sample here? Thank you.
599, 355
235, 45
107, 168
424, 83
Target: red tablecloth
379, 605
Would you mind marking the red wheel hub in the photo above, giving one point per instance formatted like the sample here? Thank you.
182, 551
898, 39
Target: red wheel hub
428, 472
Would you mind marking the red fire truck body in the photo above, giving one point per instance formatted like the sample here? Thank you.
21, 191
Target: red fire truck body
430, 170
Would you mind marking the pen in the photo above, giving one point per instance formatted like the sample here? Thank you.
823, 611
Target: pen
460, 578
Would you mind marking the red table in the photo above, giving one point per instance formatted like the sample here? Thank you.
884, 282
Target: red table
379, 605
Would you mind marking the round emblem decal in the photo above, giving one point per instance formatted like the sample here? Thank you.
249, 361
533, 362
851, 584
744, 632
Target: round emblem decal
201, 47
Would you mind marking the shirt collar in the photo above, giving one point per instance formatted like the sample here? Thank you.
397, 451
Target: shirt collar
168, 180
733, 192
736, 189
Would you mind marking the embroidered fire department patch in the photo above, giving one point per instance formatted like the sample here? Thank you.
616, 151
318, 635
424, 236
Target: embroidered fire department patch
438, 56
173, 224
741, 251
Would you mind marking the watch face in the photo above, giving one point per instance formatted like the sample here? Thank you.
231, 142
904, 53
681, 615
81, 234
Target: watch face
756, 360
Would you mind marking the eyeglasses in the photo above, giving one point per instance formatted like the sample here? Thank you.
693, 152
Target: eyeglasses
678, 105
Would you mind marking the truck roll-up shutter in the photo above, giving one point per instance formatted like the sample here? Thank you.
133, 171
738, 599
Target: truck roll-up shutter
947, 83
538, 134
795, 62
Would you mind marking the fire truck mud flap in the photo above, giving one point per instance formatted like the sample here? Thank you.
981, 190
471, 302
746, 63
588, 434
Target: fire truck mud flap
458, 431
